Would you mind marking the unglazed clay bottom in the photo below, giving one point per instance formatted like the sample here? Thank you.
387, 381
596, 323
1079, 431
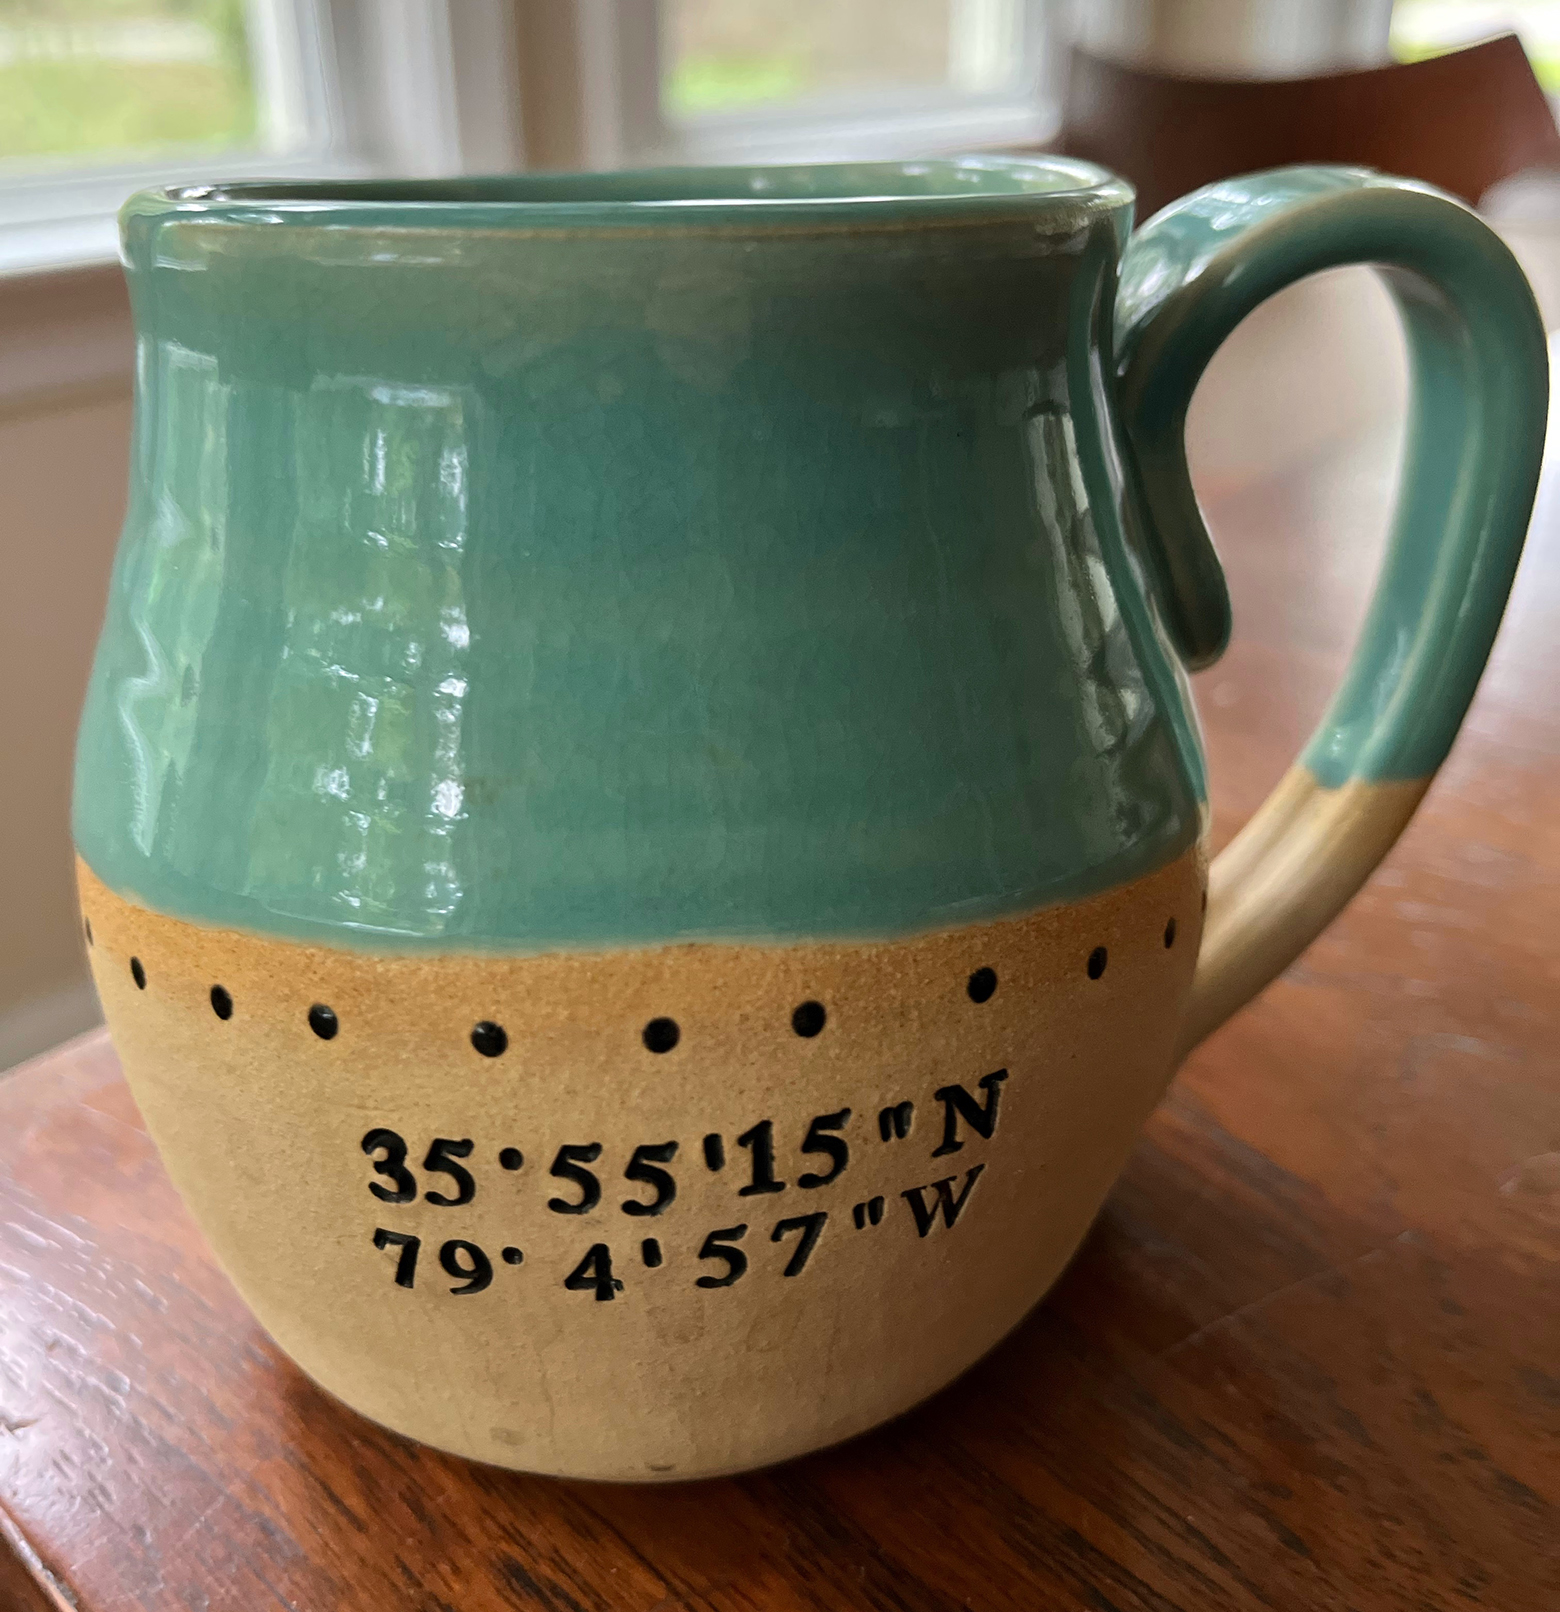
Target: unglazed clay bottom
520, 1322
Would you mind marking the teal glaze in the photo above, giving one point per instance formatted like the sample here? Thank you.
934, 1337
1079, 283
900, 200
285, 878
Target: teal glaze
1479, 364
615, 559
522, 571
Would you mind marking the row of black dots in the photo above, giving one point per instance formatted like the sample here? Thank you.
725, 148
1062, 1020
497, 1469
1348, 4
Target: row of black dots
660, 1034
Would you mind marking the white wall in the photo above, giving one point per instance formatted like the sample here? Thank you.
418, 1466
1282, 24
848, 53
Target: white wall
65, 355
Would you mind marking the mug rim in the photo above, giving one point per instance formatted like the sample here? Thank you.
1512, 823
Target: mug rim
855, 195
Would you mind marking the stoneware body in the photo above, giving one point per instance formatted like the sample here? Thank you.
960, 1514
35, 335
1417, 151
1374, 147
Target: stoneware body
641, 824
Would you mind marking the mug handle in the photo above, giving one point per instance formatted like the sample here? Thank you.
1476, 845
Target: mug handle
1477, 413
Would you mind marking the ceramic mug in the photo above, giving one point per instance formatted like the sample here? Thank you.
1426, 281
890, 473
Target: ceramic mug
641, 826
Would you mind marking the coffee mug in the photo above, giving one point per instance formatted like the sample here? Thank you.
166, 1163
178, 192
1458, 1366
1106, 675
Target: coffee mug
642, 831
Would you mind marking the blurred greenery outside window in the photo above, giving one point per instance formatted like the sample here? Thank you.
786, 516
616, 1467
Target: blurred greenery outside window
105, 81
735, 56
1423, 28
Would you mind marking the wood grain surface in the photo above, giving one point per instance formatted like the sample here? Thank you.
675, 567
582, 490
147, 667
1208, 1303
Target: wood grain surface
1308, 1357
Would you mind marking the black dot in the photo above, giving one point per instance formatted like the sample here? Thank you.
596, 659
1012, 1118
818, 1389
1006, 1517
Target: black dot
137, 973
661, 1035
88, 926
511, 1158
650, 1253
221, 1002
983, 985
513, 1256
322, 1021
809, 1018
1097, 960
489, 1038
1170, 934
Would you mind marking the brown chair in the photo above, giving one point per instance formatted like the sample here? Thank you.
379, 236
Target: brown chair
1461, 121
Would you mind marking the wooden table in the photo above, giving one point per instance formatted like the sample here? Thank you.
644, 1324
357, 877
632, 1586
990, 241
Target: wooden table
1308, 1357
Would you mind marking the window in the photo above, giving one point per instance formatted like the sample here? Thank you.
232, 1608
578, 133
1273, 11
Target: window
725, 58
99, 98
95, 81
757, 80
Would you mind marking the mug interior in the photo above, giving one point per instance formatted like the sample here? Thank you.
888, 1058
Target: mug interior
955, 180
